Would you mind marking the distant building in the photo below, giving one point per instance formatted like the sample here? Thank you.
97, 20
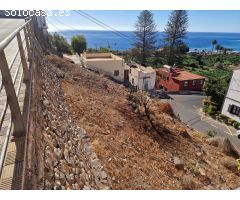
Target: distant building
231, 106
143, 78
106, 63
174, 79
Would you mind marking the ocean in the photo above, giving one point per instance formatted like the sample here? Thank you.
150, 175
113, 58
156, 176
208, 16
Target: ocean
196, 41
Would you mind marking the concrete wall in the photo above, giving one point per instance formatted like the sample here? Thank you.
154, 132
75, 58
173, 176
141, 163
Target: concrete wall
98, 55
106, 66
233, 96
138, 78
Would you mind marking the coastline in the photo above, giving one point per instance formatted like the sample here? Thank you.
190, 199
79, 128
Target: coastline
197, 41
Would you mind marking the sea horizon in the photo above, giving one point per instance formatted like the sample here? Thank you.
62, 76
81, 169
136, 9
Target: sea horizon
123, 40
63, 30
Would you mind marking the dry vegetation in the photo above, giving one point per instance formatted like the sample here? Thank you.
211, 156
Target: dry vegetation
137, 148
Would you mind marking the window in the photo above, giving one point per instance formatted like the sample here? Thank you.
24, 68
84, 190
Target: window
146, 84
167, 78
130, 71
164, 78
133, 81
235, 110
185, 83
194, 82
201, 82
116, 72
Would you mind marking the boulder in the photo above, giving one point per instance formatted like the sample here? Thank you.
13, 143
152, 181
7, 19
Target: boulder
179, 163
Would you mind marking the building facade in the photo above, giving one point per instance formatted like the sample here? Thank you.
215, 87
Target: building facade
174, 79
231, 106
143, 78
106, 63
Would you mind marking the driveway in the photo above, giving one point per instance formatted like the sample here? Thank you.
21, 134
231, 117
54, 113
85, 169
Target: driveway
187, 107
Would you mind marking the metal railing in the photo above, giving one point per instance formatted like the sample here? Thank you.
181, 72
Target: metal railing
10, 87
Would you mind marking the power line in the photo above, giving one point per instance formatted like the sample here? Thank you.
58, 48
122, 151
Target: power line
96, 22
105, 41
59, 21
71, 27
104, 24
58, 30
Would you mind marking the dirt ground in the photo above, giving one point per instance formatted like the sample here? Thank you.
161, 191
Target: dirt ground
133, 154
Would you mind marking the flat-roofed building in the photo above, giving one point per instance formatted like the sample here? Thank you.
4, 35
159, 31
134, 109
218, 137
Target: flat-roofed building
106, 63
142, 77
231, 106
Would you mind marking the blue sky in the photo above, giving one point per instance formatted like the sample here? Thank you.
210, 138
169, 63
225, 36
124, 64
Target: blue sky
199, 21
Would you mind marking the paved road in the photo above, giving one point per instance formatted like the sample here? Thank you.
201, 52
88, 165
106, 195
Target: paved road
7, 26
188, 109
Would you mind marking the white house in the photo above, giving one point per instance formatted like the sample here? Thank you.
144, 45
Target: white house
142, 77
231, 106
106, 63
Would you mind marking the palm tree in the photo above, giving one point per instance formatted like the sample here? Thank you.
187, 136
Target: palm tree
218, 47
214, 43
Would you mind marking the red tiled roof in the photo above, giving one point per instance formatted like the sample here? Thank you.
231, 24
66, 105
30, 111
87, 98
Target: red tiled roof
182, 75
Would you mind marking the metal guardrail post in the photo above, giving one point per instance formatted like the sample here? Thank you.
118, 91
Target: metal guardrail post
26, 35
23, 58
30, 37
19, 129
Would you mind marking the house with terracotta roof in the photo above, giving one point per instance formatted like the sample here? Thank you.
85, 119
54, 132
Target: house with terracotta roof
174, 79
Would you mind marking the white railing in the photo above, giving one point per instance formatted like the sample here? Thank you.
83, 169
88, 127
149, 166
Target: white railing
9, 85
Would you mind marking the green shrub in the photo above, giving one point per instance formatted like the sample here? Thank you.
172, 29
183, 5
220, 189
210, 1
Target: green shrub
236, 124
79, 44
211, 133
61, 44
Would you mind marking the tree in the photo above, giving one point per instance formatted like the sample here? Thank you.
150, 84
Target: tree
218, 47
174, 33
216, 88
60, 43
104, 50
145, 34
79, 44
214, 43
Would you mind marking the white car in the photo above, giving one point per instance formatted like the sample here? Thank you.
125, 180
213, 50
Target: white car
238, 134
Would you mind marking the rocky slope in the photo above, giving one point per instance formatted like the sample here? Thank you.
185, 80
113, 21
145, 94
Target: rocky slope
64, 148
93, 138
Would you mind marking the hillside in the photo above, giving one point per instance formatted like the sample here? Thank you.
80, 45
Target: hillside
93, 137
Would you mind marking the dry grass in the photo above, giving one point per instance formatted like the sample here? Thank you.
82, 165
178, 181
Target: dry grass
133, 154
